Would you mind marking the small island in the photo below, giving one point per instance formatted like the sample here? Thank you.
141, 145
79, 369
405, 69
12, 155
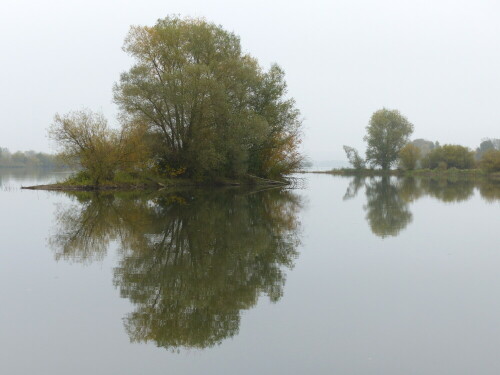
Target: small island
194, 110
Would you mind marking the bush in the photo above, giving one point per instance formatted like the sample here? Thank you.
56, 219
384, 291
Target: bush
409, 156
490, 161
449, 156
79, 178
86, 141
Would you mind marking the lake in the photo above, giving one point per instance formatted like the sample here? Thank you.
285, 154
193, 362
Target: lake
336, 276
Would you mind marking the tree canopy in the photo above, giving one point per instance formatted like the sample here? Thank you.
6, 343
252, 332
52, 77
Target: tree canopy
387, 132
208, 107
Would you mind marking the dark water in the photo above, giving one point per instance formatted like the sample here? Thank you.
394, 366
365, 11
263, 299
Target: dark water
348, 276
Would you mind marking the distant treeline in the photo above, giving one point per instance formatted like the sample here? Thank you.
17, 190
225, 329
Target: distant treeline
487, 144
421, 153
27, 159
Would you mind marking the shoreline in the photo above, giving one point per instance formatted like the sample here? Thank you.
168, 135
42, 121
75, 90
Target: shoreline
447, 173
155, 185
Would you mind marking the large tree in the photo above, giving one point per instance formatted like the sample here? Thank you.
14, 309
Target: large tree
209, 107
387, 132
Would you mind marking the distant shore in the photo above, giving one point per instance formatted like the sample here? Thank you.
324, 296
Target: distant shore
452, 172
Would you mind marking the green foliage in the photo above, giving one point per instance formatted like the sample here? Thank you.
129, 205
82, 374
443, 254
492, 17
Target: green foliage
490, 162
355, 160
449, 156
409, 156
208, 107
80, 178
387, 132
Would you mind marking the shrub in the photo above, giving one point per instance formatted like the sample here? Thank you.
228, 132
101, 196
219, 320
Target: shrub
449, 156
490, 161
409, 156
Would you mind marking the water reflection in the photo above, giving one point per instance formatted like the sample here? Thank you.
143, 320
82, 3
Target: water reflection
14, 177
448, 190
387, 211
490, 191
388, 198
189, 261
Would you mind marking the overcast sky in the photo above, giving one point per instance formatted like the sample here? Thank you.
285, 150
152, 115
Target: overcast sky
438, 62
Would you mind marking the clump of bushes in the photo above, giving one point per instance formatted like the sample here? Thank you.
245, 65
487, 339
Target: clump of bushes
449, 156
79, 178
490, 162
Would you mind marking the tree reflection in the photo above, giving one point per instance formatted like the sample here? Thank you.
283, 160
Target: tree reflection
388, 198
387, 212
490, 190
449, 190
190, 261
85, 228
354, 186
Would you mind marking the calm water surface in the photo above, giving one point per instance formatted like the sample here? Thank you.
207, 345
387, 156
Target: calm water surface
344, 276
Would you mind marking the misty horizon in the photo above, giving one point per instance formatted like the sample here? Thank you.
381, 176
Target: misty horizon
435, 62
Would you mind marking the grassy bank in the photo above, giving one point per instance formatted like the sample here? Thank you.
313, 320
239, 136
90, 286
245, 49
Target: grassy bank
128, 182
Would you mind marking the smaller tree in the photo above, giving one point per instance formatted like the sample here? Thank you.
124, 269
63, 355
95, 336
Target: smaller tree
85, 141
355, 160
409, 156
387, 132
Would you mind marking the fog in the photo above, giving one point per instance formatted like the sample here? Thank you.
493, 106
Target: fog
435, 61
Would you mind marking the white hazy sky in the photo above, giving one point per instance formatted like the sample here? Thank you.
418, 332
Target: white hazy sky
437, 61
